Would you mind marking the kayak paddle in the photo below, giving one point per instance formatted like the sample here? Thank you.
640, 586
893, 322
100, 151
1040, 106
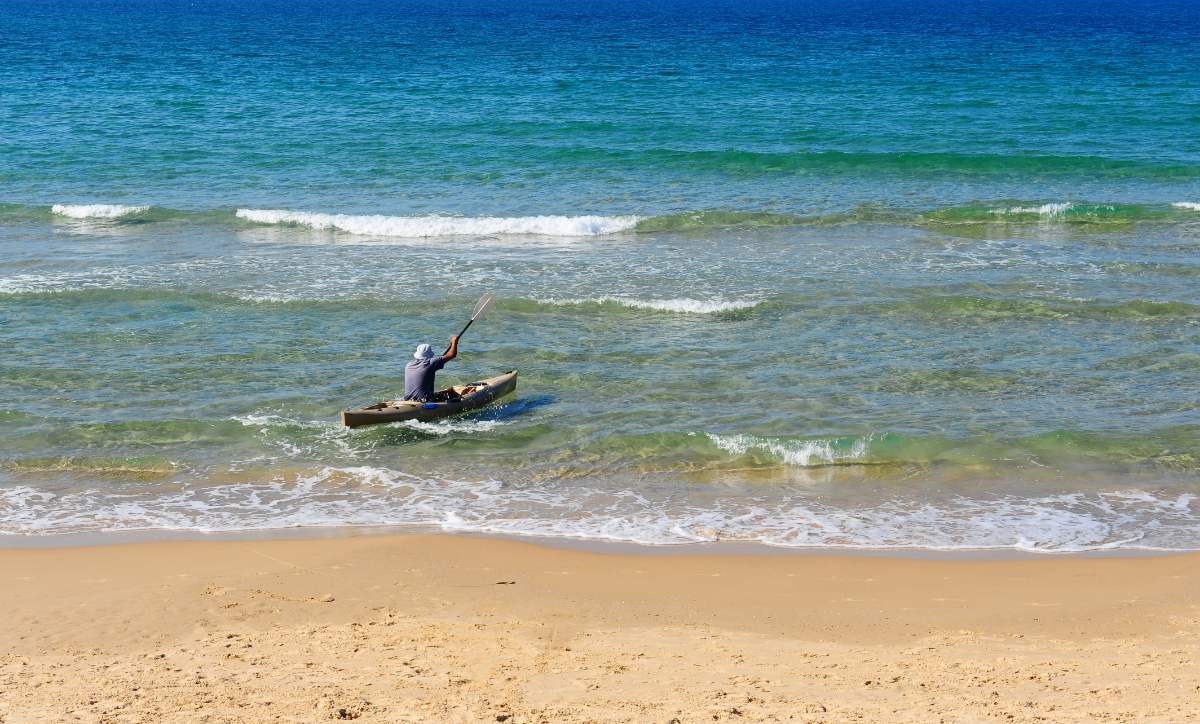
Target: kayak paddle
481, 308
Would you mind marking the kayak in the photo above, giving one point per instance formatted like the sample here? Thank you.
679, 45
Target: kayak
449, 401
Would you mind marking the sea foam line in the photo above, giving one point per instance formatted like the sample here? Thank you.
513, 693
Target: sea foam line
682, 305
427, 226
97, 211
373, 496
1189, 205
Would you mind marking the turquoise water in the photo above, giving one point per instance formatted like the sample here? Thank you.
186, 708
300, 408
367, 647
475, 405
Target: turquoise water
811, 274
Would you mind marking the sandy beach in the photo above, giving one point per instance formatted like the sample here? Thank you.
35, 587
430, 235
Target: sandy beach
840, 361
446, 628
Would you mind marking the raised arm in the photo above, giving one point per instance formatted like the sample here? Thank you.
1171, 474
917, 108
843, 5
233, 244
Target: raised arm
453, 352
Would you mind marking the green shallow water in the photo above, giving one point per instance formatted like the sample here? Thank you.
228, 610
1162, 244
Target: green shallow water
753, 383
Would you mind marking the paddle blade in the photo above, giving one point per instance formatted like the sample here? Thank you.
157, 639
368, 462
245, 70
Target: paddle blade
483, 305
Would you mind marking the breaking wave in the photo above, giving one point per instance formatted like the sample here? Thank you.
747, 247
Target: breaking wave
1008, 212
97, 211
375, 496
814, 506
804, 453
429, 226
1048, 210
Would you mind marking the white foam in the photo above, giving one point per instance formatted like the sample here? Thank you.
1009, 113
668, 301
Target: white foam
300, 438
803, 453
24, 284
313, 293
266, 421
270, 297
429, 226
145, 277
650, 515
1048, 210
97, 211
447, 427
438, 427
682, 305
103, 278
1189, 205
309, 438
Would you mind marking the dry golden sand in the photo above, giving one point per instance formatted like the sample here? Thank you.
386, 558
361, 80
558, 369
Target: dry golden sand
443, 628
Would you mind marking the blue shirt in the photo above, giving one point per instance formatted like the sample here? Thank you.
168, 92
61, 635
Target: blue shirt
418, 378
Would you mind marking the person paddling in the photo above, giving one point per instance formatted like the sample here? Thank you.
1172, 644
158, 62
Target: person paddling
419, 374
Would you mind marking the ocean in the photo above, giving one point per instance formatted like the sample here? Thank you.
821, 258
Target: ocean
883, 275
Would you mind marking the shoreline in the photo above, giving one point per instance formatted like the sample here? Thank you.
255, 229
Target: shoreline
588, 545
717, 548
447, 627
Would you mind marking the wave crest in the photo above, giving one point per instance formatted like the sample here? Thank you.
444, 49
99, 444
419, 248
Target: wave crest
803, 453
1000, 211
430, 226
1051, 210
97, 211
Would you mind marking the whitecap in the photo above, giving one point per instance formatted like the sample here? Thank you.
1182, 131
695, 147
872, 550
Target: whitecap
97, 211
431, 226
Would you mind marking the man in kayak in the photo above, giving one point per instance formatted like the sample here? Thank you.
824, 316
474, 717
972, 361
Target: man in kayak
419, 374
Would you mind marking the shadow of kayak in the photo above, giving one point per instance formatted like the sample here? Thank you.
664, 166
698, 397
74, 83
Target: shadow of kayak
509, 409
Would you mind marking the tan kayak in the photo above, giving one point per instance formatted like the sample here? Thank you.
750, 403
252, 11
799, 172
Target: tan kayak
450, 401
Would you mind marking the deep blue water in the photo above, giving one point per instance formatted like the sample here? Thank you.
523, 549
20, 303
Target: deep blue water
607, 107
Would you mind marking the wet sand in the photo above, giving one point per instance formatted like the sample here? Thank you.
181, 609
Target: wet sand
448, 628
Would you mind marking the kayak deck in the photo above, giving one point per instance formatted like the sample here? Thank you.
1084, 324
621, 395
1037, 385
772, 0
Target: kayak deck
449, 401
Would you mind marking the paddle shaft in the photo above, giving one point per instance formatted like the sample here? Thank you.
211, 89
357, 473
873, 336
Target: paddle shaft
460, 334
